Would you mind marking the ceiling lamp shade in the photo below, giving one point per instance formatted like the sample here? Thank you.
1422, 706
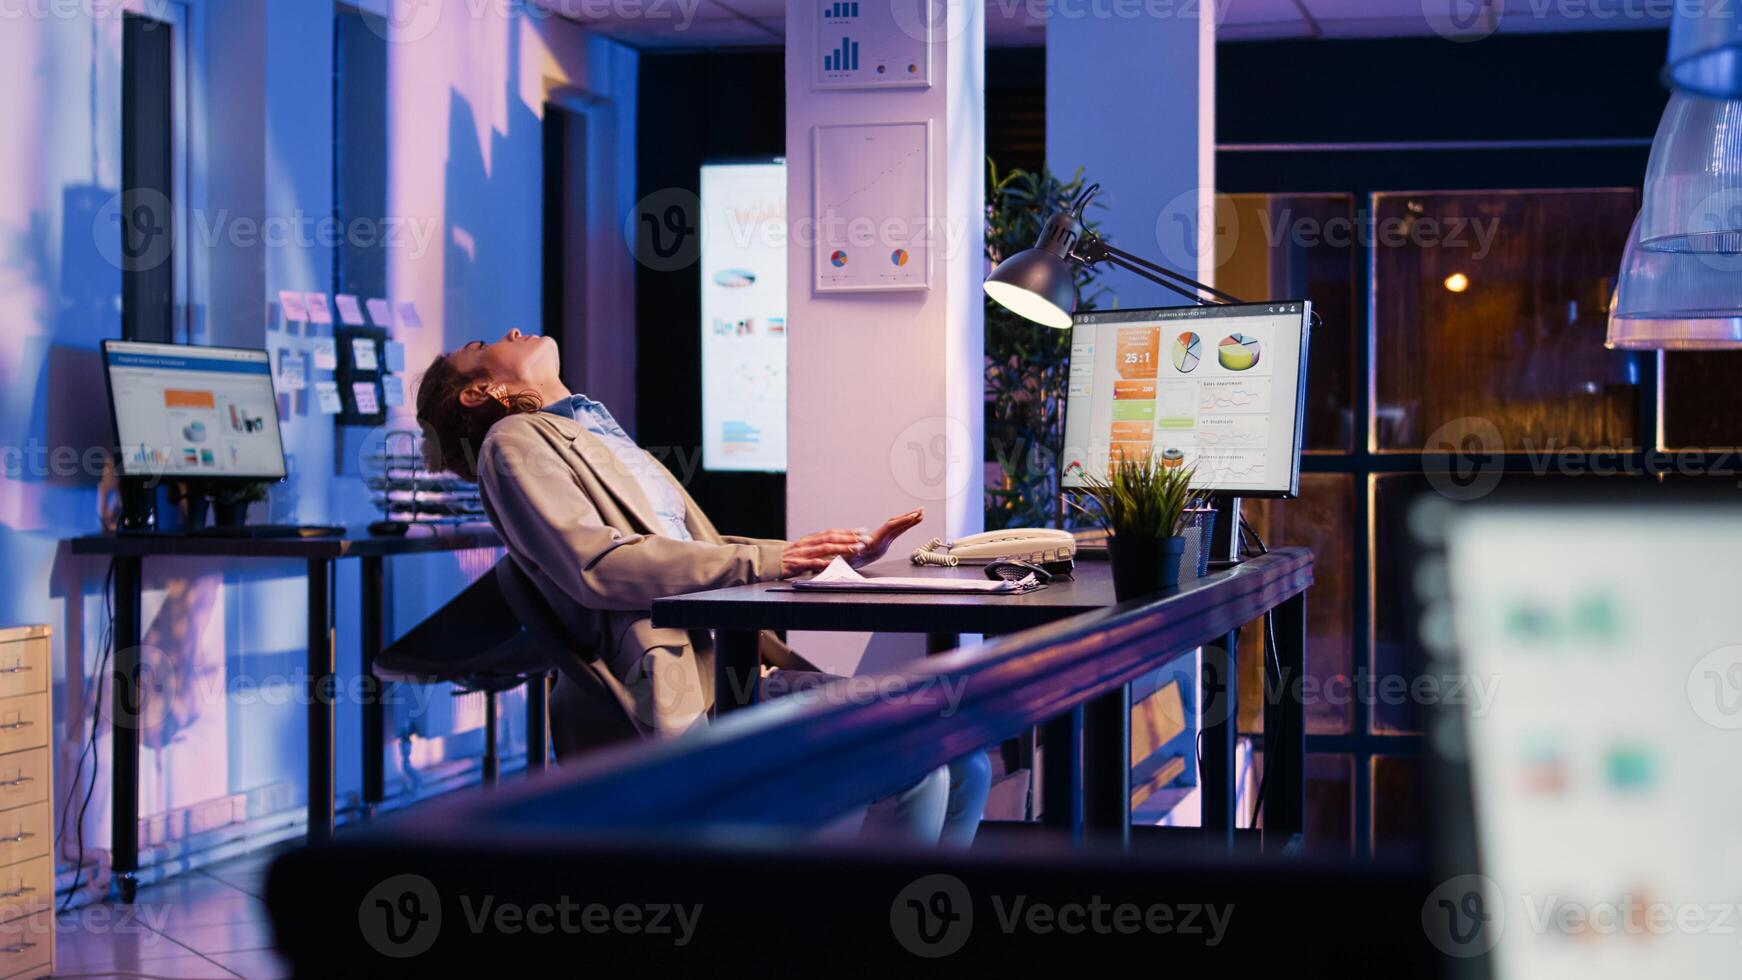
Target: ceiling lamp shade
1705, 50
1693, 181
1675, 300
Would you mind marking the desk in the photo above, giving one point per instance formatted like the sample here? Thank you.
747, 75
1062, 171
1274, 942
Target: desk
130, 552
1088, 748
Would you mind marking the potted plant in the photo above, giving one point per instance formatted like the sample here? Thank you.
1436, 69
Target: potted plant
1144, 506
230, 501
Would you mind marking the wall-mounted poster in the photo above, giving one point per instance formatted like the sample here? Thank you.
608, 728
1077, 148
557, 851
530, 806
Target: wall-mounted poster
871, 187
875, 43
744, 316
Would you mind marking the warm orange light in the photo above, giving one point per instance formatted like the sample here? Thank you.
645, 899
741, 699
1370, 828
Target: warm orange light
1457, 282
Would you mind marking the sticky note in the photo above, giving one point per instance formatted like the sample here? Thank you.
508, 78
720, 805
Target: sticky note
294, 305
363, 354
364, 394
350, 310
327, 394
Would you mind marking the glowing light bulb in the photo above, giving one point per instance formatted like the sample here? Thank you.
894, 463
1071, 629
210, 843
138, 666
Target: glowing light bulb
1457, 282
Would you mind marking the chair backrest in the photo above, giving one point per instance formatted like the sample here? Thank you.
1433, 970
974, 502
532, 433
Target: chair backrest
588, 709
476, 632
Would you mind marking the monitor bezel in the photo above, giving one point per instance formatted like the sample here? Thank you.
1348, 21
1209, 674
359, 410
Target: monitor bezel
167, 477
1173, 312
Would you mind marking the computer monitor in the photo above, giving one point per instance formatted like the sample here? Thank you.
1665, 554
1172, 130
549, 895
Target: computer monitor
183, 411
1596, 678
1217, 388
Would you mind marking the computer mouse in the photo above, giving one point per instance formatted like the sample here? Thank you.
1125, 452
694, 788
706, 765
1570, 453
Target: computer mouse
1015, 570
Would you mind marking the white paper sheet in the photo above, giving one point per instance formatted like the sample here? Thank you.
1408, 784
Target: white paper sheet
840, 576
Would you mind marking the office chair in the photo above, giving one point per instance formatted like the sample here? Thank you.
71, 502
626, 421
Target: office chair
475, 643
590, 713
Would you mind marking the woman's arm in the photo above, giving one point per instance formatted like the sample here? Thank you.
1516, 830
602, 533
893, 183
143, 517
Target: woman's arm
547, 519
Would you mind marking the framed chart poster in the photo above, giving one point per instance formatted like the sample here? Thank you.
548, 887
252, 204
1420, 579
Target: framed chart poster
871, 187
875, 43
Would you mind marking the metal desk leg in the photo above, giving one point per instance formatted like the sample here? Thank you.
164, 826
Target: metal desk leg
1061, 772
1221, 714
1107, 766
373, 617
124, 712
1285, 731
537, 722
737, 670
320, 700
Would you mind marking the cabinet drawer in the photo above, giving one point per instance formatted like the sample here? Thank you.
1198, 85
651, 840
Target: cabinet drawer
24, 778
24, 667
27, 945
24, 833
24, 722
25, 889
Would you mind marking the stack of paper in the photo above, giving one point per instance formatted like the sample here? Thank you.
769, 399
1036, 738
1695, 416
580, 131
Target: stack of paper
840, 576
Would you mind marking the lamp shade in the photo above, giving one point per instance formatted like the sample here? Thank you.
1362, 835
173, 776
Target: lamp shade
1693, 181
1675, 300
1705, 50
1037, 285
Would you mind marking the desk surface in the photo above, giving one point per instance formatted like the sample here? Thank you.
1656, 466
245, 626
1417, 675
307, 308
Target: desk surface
363, 545
776, 606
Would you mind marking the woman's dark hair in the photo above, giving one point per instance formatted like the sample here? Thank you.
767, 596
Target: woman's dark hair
453, 433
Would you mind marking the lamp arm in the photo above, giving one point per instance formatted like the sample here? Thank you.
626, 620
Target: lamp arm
1138, 270
1093, 248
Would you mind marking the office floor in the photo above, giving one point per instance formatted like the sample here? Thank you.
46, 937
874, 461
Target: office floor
208, 923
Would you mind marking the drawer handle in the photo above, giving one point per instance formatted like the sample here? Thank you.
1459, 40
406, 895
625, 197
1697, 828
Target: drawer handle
21, 668
14, 726
19, 892
20, 781
22, 835
18, 947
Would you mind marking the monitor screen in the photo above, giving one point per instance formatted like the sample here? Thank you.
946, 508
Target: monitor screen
743, 264
1218, 388
184, 411
1601, 680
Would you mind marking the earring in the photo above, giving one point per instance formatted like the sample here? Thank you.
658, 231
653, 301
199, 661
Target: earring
497, 391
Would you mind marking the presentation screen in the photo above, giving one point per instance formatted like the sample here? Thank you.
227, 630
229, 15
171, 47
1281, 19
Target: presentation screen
1218, 388
183, 411
743, 231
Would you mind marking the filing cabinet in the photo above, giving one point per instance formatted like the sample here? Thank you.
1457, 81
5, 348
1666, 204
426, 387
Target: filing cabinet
26, 803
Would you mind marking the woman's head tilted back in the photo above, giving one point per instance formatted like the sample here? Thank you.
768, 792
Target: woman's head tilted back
465, 392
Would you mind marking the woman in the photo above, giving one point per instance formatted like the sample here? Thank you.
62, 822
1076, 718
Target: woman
603, 529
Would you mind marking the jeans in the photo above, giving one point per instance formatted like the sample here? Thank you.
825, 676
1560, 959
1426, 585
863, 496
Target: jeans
943, 807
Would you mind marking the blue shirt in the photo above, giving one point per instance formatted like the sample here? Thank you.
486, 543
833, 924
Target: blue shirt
656, 483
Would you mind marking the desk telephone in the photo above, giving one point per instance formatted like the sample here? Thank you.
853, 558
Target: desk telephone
1052, 550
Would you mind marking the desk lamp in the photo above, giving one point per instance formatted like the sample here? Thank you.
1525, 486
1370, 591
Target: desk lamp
1037, 283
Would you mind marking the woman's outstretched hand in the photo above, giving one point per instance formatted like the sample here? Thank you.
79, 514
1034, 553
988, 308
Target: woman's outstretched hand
813, 552
877, 543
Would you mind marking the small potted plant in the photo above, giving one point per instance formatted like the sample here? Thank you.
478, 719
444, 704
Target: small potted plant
230, 501
1144, 506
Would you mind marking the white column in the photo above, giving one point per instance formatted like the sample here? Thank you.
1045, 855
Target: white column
884, 388
1131, 98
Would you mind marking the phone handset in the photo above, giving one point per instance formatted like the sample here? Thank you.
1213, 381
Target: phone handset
1052, 549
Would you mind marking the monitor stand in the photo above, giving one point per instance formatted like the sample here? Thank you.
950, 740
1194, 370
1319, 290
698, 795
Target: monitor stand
1225, 533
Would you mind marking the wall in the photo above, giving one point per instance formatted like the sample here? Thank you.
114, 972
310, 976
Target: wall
225, 765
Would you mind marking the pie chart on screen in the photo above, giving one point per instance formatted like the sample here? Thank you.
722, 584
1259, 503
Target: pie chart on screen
1238, 352
1187, 349
838, 258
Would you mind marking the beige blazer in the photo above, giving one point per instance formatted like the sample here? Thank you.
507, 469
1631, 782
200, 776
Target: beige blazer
576, 521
